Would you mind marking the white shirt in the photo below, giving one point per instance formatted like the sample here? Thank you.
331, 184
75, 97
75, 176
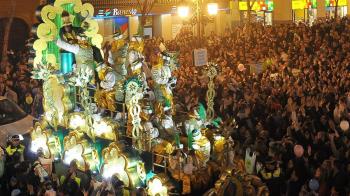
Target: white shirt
69, 47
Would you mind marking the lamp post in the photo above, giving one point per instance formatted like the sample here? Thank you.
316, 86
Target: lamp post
184, 10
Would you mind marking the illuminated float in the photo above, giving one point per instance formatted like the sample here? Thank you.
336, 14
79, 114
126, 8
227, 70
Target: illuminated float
109, 119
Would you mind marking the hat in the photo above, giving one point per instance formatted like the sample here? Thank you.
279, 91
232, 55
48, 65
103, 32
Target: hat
16, 137
118, 33
167, 105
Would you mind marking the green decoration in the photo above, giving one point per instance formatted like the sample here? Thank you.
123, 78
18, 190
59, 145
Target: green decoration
202, 113
216, 122
52, 48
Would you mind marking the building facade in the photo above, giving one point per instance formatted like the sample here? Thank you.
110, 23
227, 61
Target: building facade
162, 18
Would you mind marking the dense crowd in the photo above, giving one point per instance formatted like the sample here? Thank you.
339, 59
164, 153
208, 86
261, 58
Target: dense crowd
17, 85
293, 115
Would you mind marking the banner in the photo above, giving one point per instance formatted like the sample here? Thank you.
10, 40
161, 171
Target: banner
200, 57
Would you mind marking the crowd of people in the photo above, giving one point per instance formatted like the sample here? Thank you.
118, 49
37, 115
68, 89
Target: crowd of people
293, 114
17, 85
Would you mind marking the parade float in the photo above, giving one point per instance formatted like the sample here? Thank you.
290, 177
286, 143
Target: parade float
110, 118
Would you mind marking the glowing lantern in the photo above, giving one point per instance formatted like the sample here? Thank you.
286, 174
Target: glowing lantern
156, 187
79, 149
183, 11
126, 166
104, 128
77, 121
45, 141
212, 8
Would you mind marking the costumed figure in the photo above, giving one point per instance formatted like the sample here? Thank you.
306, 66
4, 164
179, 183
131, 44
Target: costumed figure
164, 82
197, 119
135, 56
201, 146
83, 51
117, 57
68, 32
105, 95
134, 85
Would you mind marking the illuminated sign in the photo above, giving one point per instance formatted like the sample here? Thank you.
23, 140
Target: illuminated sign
266, 5
303, 4
331, 3
116, 12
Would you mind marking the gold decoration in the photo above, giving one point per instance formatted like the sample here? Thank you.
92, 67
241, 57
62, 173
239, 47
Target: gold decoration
79, 149
77, 121
44, 139
211, 91
48, 31
105, 128
106, 99
86, 103
86, 10
251, 184
56, 105
157, 187
128, 169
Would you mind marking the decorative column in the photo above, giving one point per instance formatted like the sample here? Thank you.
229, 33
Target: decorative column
211, 92
134, 109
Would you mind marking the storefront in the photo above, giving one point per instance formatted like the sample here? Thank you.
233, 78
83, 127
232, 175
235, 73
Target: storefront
112, 19
342, 8
304, 11
261, 11
159, 22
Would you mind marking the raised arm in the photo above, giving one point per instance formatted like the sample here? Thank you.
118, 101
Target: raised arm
68, 47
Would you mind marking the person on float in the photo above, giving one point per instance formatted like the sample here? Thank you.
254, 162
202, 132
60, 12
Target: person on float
85, 58
105, 96
68, 33
117, 56
112, 78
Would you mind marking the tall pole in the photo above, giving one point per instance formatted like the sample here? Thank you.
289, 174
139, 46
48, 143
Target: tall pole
198, 10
